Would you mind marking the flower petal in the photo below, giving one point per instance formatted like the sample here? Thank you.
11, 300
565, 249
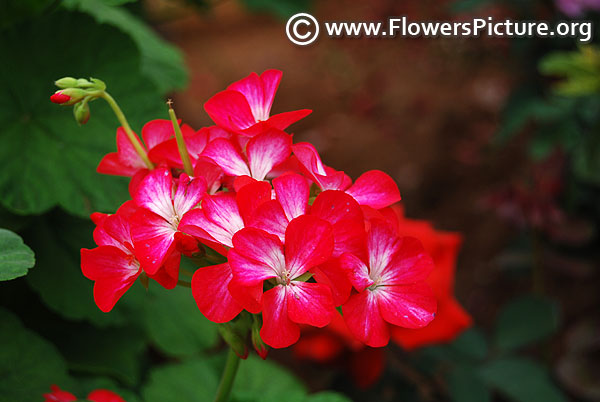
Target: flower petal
267, 150
227, 156
230, 110
408, 306
375, 189
292, 192
210, 290
308, 243
188, 194
409, 264
278, 331
382, 243
252, 89
270, 82
157, 131
346, 218
331, 274
251, 196
114, 272
154, 193
257, 255
309, 303
212, 173
364, 320
282, 121
153, 239
356, 271
270, 218
218, 219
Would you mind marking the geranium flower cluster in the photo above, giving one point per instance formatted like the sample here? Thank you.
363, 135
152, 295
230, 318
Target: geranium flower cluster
298, 239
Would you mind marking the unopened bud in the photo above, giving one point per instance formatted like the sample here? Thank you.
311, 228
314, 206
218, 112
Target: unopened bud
234, 339
81, 111
59, 98
259, 345
98, 84
68, 96
83, 83
66, 82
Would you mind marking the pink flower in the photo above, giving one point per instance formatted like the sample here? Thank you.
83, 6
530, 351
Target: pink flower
258, 256
245, 105
163, 202
373, 188
263, 152
113, 264
391, 286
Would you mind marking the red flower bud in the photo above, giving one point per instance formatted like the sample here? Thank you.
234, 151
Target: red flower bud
59, 98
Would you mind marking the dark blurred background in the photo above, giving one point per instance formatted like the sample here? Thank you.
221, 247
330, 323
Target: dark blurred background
494, 138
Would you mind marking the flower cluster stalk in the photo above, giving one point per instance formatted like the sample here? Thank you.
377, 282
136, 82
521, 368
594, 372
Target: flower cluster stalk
125, 124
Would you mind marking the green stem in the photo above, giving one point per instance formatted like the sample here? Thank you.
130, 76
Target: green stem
228, 377
130, 135
184, 284
183, 152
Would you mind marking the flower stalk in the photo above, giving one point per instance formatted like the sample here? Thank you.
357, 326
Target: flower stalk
183, 152
128, 131
228, 377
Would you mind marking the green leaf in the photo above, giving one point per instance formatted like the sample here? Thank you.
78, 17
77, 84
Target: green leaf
112, 352
28, 363
57, 239
264, 381
192, 381
283, 9
471, 343
523, 321
521, 380
48, 159
465, 385
15, 257
161, 61
175, 324
328, 396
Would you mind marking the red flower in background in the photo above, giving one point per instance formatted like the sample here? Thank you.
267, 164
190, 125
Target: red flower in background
335, 342
99, 395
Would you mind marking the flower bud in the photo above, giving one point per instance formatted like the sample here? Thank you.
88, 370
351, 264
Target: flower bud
68, 96
98, 84
233, 338
257, 342
81, 111
66, 82
59, 98
83, 83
